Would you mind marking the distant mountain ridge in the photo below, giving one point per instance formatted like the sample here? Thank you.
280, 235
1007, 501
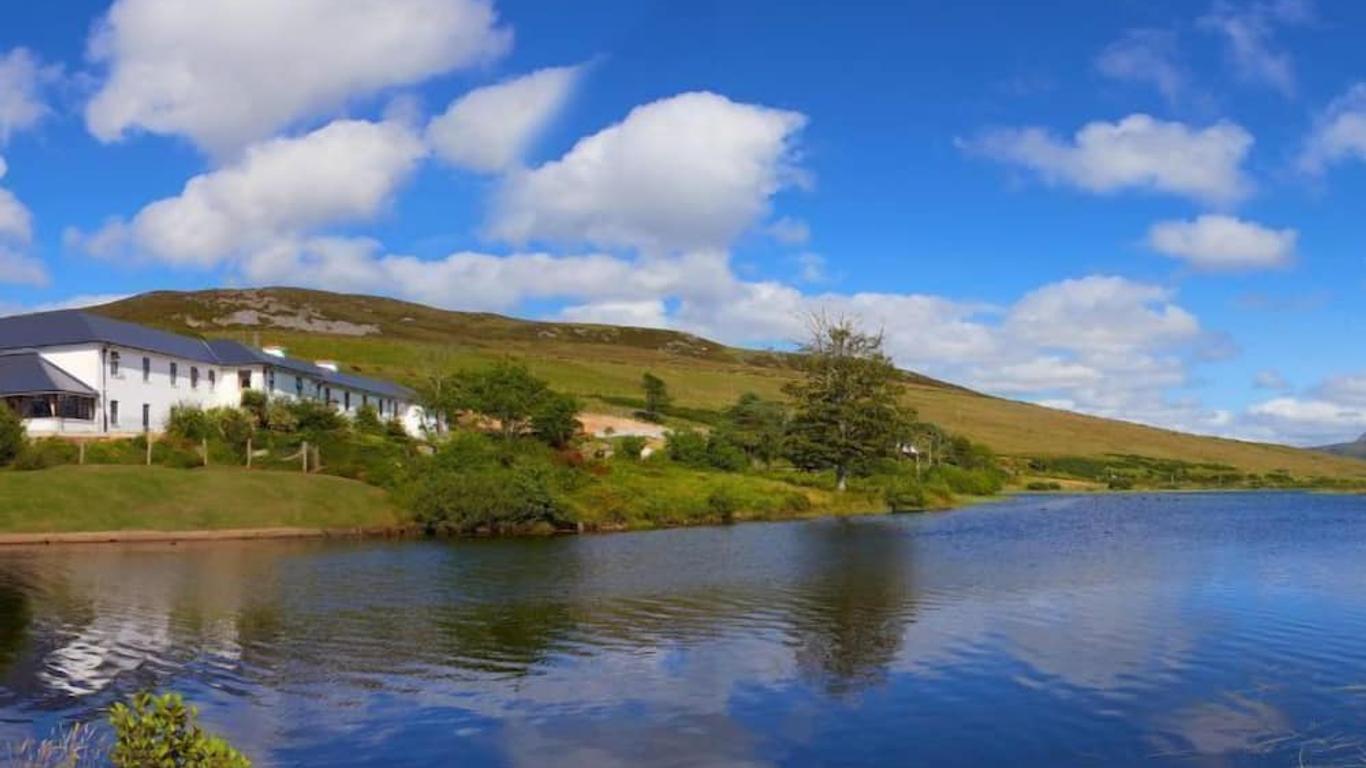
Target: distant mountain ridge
1355, 449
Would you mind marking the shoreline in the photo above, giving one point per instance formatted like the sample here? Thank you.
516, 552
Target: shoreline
8, 540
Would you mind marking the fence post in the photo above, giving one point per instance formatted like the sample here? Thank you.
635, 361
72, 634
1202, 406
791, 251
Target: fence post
148, 437
81, 443
248, 453
304, 453
204, 446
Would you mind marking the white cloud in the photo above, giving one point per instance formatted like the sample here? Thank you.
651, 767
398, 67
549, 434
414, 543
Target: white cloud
1222, 243
1145, 56
1347, 389
1309, 421
646, 313
1138, 152
811, 268
490, 129
22, 79
1101, 314
1270, 378
79, 301
688, 172
16, 231
226, 73
1249, 34
1339, 133
280, 189
789, 231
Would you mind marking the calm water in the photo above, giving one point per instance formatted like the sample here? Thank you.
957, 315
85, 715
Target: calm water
1179, 629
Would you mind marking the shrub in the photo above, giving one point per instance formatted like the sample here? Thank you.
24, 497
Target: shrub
972, 482
280, 417
162, 731
724, 454
1043, 486
47, 452
367, 419
1121, 484
630, 447
722, 504
255, 403
315, 416
189, 422
235, 425
555, 419
13, 438
477, 497
394, 430
687, 447
904, 494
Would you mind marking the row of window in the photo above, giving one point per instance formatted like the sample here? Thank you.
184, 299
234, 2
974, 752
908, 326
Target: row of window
115, 362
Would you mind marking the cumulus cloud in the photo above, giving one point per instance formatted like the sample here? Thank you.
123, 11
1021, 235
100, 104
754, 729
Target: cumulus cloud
1331, 412
1138, 152
789, 231
490, 129
1249, 32
688, 172
16, 231
1270, 378
22, 78
280, 189
226, 73
1146, 56
1339, 133
1224, 243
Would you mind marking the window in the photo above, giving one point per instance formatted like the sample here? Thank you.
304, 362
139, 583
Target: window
299, 386
194, 377
346, 400
175, 373
364, 400
270, 379
114, 364
114, 412
146, 369
244, 379
213, 378
146, 417
327, 396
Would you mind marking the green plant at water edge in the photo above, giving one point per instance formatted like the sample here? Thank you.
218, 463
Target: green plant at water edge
163, 732
13, 438
74, 747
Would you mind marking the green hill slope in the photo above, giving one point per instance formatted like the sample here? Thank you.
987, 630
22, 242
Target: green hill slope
603, 364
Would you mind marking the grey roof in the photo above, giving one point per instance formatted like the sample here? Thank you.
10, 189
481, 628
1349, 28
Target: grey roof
73, 326
29, 374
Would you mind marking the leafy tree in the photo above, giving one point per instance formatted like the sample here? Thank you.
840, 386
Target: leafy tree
506, 393
189, 421
757, 427
162, 732
657, 397
12, 435
686, 446
555, 418
847, 401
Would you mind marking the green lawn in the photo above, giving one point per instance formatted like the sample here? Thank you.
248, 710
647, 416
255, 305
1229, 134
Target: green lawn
115, 498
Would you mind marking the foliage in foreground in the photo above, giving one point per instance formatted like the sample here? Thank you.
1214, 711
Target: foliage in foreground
163, 732
12, 435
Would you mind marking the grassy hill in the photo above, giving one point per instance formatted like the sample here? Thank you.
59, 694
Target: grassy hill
603, 364
1355, 449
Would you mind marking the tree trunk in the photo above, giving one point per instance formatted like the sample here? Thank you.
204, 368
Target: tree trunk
841, 479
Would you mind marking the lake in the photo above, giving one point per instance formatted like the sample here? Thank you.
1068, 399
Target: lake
1185, 629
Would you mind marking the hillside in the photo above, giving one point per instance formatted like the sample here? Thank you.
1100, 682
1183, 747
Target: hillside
603, 364
1355, 449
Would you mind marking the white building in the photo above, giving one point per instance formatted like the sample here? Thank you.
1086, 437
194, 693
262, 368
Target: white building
76, 373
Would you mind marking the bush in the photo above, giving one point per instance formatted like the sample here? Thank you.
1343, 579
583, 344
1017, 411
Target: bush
555, 419
971, 482
904, 494
394, 430
280, 417
13, 438
1043, 486
724, 454
630, 447
235, 425
367, 420
47, 452
469, 499
687, 447
189, 422
255, 403
1121, 484
722, 504
162, 732
314, 416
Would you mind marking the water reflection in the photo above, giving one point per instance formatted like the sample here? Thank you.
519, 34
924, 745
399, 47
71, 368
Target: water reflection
1111, 629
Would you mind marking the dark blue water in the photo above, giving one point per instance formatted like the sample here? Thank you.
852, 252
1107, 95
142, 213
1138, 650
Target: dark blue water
1224, 629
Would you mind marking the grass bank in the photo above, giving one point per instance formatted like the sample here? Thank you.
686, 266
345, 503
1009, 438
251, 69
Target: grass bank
125, 498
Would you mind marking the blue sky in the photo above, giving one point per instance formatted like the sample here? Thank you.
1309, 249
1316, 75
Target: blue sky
1144, 210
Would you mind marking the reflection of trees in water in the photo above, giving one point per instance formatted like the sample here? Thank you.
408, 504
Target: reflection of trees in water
15, 617
853, 612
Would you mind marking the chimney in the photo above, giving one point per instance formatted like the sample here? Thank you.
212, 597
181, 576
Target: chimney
274, 351
330, 365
